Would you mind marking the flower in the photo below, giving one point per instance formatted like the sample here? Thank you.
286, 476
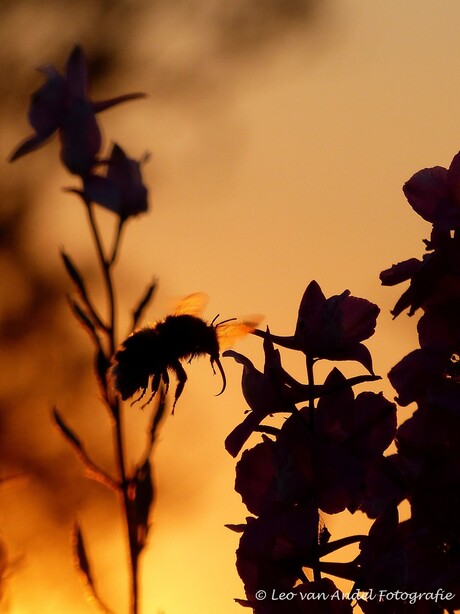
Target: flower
332, 328
62, 104
434, 280
274, 547
121, 190
328, 466
434, 193
407, 557
266, 393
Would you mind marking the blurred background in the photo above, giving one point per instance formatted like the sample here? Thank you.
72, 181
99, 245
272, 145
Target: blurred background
281, 133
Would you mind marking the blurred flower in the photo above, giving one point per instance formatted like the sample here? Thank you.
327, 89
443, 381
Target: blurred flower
62, 104
121, 190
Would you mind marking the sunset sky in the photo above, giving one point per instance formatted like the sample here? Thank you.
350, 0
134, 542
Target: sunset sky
277, 157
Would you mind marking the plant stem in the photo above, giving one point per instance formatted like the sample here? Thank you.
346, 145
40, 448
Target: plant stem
311, 420
116, 243
311, 396
106, 272
128, 509
114, 406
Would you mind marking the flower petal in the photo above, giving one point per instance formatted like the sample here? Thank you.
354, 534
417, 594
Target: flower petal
425, 189
77, 73
31, 144
111, 102
103, 192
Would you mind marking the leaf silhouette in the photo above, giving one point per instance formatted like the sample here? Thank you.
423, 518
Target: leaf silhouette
143, 303
83, 565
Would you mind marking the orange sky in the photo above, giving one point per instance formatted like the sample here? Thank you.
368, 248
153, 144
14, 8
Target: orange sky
277, 166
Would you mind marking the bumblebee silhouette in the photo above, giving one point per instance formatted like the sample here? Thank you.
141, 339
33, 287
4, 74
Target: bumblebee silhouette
148, 354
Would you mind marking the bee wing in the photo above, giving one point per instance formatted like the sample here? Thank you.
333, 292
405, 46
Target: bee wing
192, 305
229, 332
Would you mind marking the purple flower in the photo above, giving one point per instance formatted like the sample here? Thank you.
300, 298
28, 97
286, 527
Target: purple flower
434, 193
330, 466
274, 547
332, 328
434, 280
266, 393
62, 104
121, 190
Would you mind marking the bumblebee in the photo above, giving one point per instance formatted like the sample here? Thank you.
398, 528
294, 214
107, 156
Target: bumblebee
149, 354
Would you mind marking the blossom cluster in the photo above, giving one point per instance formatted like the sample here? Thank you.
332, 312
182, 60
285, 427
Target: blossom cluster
328, 455
424, 551
62, 104
320, 459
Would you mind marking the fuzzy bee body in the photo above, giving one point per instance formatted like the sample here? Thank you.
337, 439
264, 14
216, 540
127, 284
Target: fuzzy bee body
151, 352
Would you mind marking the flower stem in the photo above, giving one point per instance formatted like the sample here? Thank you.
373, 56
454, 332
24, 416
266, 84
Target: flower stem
311, 420
106, 272
116, 243
114, 405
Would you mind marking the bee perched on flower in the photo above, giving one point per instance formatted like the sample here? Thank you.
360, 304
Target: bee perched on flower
150, 353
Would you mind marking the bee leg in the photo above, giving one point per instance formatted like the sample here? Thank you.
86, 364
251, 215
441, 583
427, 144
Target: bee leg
144, 405
165, 377
156, 380
141, 396
181, 379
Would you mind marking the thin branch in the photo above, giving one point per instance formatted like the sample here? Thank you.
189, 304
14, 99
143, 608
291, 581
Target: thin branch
105, 267
130, 519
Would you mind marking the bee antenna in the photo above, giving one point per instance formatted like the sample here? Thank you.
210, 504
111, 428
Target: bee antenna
214, 319
224, 321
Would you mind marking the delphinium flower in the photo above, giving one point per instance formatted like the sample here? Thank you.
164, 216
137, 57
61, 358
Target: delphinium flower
422, 554
63, 105
319, 460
